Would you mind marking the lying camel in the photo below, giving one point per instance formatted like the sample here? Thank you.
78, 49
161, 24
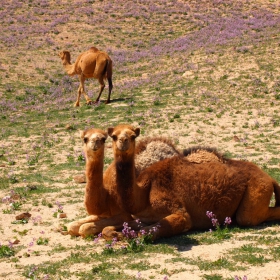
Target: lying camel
176, 193
89, 64
102, 201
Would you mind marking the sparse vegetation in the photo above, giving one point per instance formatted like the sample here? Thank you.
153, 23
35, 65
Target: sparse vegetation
199, 72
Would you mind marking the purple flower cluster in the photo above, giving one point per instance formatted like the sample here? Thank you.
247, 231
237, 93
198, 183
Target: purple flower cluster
215, 221
239, 278
128, 232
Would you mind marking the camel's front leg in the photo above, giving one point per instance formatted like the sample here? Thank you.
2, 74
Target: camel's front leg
102, 86
73, 227
169, 226
112, 224
82, 89
77, 103
111, 232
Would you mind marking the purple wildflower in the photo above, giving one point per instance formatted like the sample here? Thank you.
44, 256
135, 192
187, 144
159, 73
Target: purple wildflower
227, 221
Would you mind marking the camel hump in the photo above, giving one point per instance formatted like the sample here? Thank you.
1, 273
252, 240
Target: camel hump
93, 49
203, 154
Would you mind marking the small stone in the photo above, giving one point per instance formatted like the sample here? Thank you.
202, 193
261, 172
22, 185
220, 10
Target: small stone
236, 139
80, 179
32, 187
23, 216
69, 127
61, 215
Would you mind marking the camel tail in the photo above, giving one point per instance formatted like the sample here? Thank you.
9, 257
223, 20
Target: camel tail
277, 193
108, 70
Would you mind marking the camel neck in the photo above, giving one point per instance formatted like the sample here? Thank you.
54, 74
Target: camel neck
129, 191
94, 167
95, 194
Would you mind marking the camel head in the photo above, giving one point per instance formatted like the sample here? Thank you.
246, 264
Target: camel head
123, 138
65, 55
94, 139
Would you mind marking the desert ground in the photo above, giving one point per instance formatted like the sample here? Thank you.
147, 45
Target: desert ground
201, 73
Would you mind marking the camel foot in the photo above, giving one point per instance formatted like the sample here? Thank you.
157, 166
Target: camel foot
89, 102
108, 233
76, 104
73, 228
96, 101
108, 101
89, 229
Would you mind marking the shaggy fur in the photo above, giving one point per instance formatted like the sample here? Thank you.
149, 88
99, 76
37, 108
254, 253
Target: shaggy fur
151, 150
176, 193
89, 64
200, 154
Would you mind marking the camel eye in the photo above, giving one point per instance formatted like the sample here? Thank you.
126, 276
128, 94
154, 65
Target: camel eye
103, 139
114, 137
85, 140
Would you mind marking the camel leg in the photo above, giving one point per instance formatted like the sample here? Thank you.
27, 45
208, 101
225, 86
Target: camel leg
73, 227
254, 208
169, 226
82, 89
110, 90
77, 103
113, 223
102, 86
110, 232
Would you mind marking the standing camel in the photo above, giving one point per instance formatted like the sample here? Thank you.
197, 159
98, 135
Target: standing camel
175, 194
89, 64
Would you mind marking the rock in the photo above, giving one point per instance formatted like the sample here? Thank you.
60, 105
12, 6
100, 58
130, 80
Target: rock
15, 241
80, 179
61, 215
236, 139
23, 216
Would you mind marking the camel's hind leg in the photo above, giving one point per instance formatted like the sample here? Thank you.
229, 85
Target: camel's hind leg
102, 86
110, 90
254, 207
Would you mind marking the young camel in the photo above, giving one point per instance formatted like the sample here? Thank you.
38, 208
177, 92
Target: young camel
175, 194
102, 201
89, 64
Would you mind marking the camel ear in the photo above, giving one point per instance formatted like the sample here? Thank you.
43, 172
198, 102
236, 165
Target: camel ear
137, 131
110, 131
104, 138
82, 133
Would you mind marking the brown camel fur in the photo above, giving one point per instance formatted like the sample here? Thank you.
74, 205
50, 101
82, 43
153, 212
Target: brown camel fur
101, 197
175, 193
89, 64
